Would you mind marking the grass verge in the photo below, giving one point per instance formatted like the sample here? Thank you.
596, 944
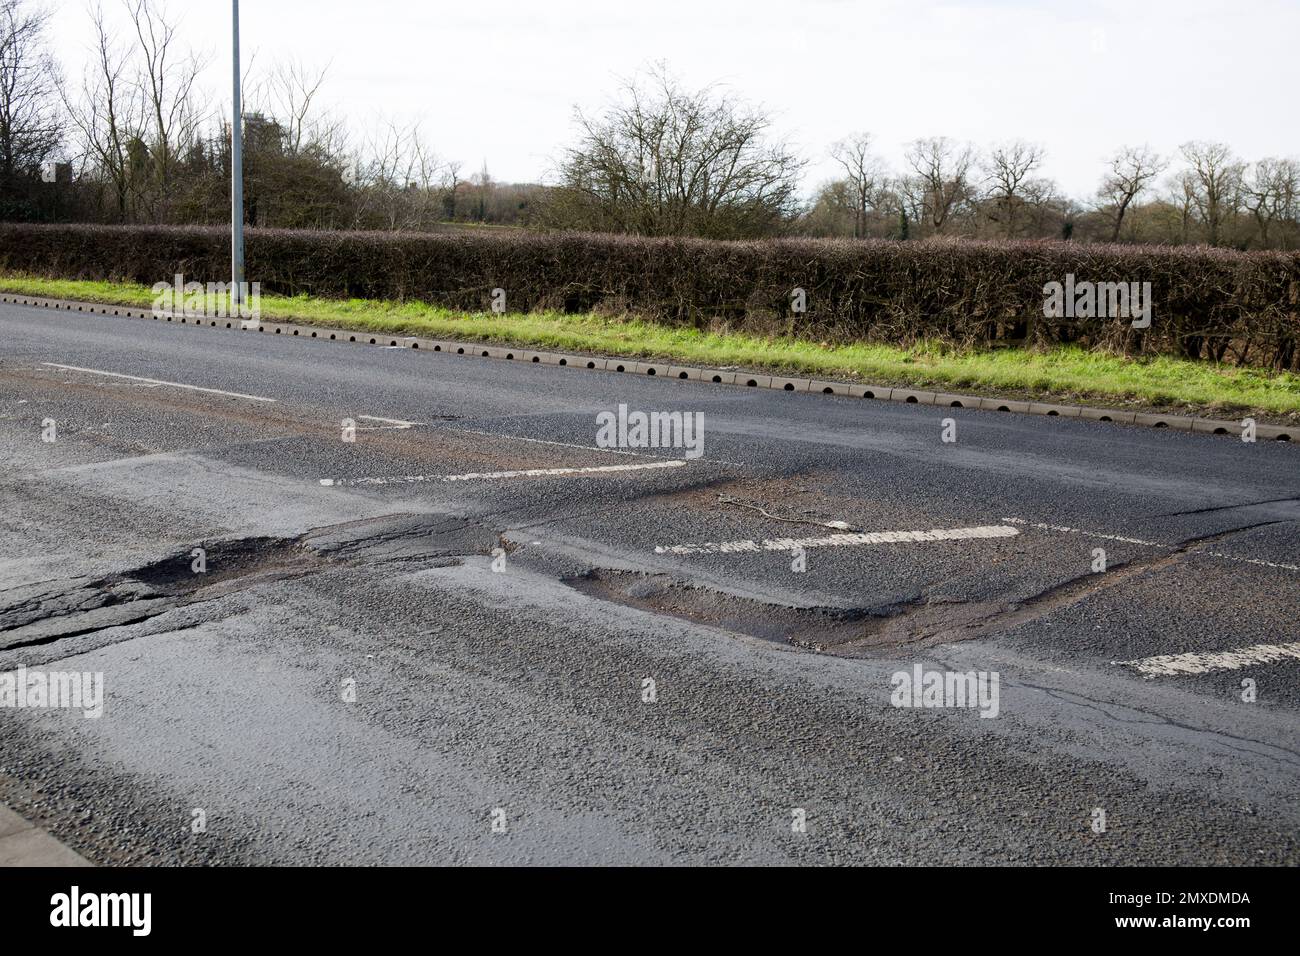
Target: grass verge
1062, 374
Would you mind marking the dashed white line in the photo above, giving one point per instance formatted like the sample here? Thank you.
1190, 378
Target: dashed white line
491, 475
1171, 665
1149, 544
154, 381
1259, 561
1086, 534
841, 540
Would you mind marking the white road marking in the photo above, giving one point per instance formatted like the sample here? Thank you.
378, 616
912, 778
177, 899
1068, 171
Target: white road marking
487, 475
542, 441
841, 540
1170, 665
390, 424
1086, 534
154, 381
390, 421
565, 444
1260, 561
1150, 544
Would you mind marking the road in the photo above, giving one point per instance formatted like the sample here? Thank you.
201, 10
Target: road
469, 635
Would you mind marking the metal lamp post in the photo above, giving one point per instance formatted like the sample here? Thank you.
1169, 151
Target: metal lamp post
236, 179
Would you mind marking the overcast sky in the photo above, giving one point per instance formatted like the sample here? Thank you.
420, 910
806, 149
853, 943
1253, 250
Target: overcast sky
497, 80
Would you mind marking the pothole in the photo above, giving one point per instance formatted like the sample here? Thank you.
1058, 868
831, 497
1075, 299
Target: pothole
53, 610
826, 629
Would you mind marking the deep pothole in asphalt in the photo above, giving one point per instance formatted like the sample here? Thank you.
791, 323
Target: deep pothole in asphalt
920, 621
826, 629
49, 611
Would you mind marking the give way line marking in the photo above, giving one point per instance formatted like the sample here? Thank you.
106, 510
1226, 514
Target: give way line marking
155, 381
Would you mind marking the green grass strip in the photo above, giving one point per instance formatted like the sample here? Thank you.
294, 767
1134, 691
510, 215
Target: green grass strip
1061, 374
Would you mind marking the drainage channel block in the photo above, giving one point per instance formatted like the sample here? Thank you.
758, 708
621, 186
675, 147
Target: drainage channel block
828, 388
1064, 411
1277, 432
877, 392
1004, 405
1107, 415
1177, 422
790, 384
1211, 426
956, 401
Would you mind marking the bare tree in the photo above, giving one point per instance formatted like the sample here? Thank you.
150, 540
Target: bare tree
289, 92
400, 179
1215, 184
166, 80
108, 115
451, 183
1182, 196
667, 161
137, 111
1271, 192
1131, 170
942, 170
865, 175
1007, 169
30, 128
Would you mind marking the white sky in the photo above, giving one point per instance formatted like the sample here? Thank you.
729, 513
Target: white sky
498, 79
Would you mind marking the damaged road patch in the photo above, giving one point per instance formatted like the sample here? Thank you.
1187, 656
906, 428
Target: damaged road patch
49, 611
832, 630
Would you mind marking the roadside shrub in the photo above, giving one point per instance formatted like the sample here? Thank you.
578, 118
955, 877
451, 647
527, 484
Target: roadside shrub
1208, 303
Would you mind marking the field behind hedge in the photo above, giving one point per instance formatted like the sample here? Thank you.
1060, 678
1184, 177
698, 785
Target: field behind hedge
1208, 303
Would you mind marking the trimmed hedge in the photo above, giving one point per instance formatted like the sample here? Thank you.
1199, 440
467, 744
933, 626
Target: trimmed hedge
1208, 303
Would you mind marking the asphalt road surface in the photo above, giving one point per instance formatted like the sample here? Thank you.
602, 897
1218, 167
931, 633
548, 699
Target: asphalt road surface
470, 635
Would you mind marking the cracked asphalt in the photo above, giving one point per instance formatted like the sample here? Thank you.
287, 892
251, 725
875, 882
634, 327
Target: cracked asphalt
426, 661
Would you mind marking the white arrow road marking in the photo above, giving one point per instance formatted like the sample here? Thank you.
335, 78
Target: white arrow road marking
841, 540
154, 381
487, 475
1170, 665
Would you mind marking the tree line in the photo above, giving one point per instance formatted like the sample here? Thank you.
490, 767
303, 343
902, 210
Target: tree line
135, 139
145, 144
